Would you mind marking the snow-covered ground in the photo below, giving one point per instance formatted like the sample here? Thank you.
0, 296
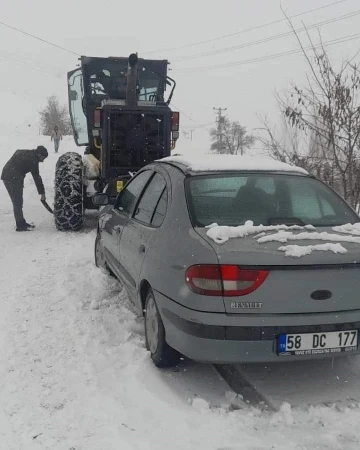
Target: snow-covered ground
74, 373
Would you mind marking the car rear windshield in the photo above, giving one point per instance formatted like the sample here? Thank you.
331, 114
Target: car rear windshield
266, 199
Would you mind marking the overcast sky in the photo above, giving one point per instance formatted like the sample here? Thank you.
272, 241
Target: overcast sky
32, 70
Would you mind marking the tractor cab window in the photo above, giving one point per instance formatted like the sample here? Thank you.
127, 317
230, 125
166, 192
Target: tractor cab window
108, 83
149, 86
77, 114
97, 87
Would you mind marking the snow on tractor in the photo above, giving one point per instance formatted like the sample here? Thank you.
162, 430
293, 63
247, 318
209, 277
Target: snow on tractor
118, 111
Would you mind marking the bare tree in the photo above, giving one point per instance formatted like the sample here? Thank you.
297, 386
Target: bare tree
283, 145
329, 108
326, 115
230, 137
54, 114
292, 146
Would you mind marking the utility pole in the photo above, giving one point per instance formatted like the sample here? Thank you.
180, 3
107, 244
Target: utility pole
219, 122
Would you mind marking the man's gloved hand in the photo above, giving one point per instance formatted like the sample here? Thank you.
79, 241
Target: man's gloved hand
43, 198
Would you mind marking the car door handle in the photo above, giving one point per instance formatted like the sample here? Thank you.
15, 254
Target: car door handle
142, 249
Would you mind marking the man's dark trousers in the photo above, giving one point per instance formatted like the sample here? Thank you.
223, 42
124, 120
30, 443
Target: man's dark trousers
15, 189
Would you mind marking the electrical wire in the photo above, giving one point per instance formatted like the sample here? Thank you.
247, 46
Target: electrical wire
190, 118
38, 38
269, 57
67, 50
197, 126
268, 39
38, 67
246, 30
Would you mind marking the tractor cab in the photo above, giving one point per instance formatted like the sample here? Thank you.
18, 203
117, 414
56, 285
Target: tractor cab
120, 110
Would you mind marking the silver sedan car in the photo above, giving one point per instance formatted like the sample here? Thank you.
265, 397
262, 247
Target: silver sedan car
233, 259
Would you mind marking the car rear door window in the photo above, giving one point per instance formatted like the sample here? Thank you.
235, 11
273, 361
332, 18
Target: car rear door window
130, 194
146, 208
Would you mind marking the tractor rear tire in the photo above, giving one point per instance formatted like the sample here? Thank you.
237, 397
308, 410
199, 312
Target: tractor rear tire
68, 204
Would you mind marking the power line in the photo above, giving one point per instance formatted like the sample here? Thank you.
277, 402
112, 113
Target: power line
257, 27
270, 38
197, 126
269, 57
39, 67
190, 118
39, 39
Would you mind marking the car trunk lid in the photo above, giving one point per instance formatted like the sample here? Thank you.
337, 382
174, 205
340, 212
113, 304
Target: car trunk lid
321, 281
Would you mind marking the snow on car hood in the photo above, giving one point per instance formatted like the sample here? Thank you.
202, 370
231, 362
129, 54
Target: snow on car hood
261, 244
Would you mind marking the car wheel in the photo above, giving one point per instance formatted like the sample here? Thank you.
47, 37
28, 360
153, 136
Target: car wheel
161, 353
100, 255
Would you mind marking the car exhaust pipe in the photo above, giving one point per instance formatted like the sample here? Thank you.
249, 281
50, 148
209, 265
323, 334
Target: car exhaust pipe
131, 80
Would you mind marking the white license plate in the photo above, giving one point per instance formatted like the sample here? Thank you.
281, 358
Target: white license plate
317, 343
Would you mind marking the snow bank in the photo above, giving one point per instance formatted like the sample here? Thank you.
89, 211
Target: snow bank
200, 405
232, 162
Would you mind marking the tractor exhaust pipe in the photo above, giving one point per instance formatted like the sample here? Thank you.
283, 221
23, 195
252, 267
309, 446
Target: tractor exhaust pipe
131, 83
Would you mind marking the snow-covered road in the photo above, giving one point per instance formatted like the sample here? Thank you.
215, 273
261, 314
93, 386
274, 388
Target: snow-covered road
74, 373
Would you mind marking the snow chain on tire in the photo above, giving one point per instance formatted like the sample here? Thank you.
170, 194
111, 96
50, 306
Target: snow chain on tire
68, 204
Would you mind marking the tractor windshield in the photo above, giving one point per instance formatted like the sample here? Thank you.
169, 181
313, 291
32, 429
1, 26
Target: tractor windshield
108, 81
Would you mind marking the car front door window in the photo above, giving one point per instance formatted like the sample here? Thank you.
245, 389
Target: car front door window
150, 199
128, 197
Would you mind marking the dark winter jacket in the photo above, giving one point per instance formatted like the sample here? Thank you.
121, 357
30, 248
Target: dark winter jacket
21, 163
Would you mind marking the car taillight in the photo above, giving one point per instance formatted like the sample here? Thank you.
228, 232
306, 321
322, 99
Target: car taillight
223, 280
175, 120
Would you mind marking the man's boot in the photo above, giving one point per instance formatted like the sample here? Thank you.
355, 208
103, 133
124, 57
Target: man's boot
22, 228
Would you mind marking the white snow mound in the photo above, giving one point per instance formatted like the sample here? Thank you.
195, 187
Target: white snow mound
296, 251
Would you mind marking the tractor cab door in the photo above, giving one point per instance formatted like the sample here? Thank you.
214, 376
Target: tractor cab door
76, 102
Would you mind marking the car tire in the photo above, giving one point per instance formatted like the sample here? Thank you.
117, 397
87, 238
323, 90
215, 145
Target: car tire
100, 256
68, 203
161, 353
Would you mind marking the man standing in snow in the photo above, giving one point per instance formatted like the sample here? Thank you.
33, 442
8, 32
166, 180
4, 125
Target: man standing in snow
56, 137
13, 175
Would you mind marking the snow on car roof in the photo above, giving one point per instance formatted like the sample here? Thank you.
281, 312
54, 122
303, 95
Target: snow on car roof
209, 163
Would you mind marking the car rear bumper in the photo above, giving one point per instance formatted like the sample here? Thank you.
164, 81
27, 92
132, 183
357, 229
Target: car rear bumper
227, 339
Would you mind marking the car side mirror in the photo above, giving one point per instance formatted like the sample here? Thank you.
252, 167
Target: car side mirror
100, 199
